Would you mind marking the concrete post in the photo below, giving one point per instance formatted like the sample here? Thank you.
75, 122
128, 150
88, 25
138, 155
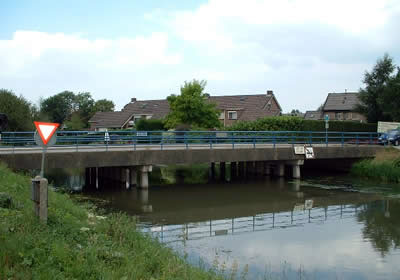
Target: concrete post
133, 176
87, 176
40, 197
222, 169
97, 177
144, 172
267, 168
295, 168
233, 170
280, 169
127, 178
241, 169
296, 171
212, 171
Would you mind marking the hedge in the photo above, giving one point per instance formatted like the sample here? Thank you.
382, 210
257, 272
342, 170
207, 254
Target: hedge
288, 123
150, 125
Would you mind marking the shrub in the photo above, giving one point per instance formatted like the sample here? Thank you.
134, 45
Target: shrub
150, 125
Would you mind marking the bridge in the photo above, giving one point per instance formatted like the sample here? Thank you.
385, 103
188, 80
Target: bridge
121, 155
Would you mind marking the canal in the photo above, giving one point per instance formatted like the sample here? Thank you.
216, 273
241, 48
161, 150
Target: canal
272, 228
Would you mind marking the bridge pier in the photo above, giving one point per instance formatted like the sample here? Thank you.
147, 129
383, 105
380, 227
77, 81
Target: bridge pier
212, 171
132, 176
241, 169
144, 176
279, 169
295, 164
222, 169
233, 170
267, 168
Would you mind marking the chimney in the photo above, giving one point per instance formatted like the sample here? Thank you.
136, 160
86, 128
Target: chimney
269, 92
133, 100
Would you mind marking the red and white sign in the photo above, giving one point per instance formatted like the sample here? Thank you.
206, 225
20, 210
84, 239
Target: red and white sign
46, 130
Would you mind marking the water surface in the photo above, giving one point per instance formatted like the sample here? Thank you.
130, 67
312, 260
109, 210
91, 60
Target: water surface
272, 228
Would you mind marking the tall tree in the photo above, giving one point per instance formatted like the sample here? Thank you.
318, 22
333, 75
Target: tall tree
18, 110
390, 101
191, 107
376, 82
83, 105
103, 105
59, 107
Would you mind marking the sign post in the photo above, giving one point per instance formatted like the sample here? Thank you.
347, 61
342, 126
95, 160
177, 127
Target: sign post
326, 128
44, 136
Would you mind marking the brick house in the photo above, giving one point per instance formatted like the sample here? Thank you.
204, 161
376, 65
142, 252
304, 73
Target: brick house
233, 108
341, 106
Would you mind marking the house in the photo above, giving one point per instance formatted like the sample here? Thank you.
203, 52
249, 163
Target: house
313, 115
341, 106
233, 108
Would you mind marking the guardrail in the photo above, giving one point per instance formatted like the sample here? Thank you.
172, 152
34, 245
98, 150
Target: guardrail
190, 138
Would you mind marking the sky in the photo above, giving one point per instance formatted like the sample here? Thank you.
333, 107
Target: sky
300, 49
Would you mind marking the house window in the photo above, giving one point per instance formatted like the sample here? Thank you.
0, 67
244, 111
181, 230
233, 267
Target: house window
338, 116
222, 116
345, 116
232, 115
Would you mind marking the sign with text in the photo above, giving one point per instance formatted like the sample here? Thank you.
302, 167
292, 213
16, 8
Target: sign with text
299, 150
309, 153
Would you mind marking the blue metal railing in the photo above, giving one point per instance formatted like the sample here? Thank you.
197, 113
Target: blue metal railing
191, 138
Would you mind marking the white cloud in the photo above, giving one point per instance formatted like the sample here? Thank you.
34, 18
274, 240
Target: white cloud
300, 49
41, 64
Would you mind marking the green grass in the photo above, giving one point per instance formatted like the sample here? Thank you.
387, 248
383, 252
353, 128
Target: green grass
385, 166
77, 244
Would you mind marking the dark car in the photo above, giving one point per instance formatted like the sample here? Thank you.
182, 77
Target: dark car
391, 137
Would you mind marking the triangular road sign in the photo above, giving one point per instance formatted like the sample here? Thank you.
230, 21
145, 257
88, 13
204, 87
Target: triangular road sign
46, 130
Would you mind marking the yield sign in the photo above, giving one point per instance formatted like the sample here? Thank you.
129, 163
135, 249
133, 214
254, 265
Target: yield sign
46, 130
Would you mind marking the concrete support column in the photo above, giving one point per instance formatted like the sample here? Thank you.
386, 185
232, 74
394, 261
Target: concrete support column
241, 169
133, 176
295, 168
259, 168
280, 169
212, 171
97, 177
267, 168
144, 176
127, 178
87, 177
222, 169
233, 170
249, 168
296, 171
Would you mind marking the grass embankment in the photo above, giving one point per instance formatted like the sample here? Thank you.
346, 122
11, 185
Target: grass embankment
385, 166
77, 244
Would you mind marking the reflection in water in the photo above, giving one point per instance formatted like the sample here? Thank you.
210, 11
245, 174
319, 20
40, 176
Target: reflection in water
382, 225
275, 227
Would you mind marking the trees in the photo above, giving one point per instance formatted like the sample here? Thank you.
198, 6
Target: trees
58, 107
191, 107
18, 110
380, 88
74, 110
103, 105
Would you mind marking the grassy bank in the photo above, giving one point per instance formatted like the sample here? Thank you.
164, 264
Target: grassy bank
77, 243
385, 166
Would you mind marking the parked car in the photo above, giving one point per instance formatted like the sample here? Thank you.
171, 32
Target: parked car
391, 137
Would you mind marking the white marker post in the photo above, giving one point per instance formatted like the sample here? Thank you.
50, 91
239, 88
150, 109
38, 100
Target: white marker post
44, 136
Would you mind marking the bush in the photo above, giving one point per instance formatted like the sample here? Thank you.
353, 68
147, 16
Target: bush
150, 125
288, 123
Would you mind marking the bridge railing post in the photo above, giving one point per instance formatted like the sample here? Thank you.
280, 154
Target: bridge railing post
185, 139
357, 141
342, 139
233, 140
254, 140
274, 139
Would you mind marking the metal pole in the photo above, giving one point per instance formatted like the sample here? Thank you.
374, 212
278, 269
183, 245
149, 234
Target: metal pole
43, 157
